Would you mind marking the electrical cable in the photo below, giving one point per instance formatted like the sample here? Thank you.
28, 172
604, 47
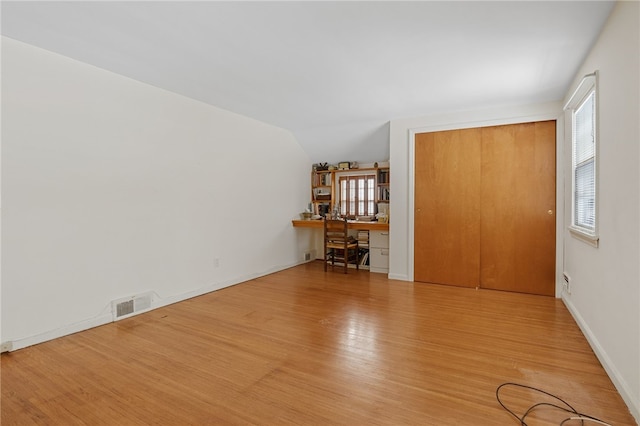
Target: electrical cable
521, 419
578, 416
583, 419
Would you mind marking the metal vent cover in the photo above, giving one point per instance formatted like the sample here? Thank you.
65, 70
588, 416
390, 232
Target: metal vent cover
124, 308
128, 306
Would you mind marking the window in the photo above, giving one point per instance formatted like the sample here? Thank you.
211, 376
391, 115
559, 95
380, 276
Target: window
357, 195
583, 109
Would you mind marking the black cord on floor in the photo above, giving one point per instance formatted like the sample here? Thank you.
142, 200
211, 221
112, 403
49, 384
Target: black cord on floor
568, 409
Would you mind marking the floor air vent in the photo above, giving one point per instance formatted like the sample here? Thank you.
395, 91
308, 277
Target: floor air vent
123, 308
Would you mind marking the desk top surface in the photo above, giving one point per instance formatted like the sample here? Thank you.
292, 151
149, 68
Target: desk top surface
352, 224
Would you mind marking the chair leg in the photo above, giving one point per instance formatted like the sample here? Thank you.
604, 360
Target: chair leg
357, 260
328, 256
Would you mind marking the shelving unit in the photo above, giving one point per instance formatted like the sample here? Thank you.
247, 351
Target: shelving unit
383, 193
321, 191
382, 183
324, 187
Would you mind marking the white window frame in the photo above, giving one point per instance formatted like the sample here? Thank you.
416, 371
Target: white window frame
368, 201
588, 87
353, 172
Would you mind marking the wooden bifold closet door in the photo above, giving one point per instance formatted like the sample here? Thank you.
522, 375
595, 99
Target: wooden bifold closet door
485, 207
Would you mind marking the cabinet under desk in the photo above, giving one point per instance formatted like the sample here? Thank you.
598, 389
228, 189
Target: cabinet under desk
378, 240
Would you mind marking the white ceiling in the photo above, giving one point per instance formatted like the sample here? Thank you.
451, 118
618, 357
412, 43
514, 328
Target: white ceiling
334, 73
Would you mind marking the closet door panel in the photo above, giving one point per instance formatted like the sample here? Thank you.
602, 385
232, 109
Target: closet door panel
447, 207
518, 208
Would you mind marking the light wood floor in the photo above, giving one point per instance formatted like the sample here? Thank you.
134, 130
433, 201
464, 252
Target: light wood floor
307, 347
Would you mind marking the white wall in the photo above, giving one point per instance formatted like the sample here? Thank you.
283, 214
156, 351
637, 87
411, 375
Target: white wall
111, 188
605, 286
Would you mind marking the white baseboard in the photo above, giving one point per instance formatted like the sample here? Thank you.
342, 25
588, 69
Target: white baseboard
399, 277
107, 317
618, 380
99, 320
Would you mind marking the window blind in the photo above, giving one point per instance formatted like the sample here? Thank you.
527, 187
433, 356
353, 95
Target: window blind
584, 164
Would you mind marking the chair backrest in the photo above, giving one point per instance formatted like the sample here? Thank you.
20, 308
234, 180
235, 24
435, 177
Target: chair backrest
335, 231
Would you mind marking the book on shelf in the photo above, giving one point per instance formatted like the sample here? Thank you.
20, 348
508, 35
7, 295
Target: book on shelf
384, 194
383, 176
364, 258
363, 238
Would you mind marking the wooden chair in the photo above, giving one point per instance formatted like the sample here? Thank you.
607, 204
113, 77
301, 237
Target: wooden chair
338, 246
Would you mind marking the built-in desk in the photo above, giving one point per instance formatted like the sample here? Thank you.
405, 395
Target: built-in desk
351, 224
378, 240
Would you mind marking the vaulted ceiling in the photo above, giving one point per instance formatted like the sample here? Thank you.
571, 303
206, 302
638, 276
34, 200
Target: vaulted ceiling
334, 73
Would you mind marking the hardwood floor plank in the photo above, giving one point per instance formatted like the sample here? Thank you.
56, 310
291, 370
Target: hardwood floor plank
307, 347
